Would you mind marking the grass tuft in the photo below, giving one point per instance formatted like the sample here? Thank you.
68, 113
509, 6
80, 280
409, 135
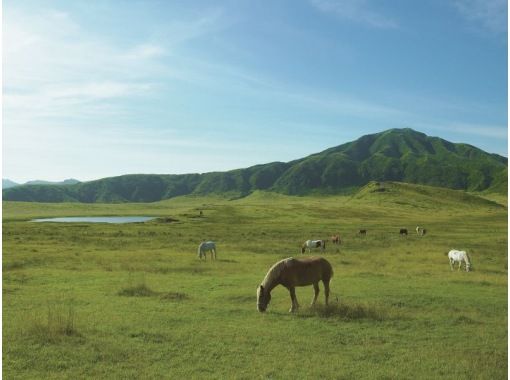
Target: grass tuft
174, 296
139, 290
60, 322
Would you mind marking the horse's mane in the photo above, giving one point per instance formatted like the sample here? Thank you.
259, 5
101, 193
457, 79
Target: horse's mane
275, 272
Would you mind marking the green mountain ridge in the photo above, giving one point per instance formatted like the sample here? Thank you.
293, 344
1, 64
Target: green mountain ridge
399, 155
7, 183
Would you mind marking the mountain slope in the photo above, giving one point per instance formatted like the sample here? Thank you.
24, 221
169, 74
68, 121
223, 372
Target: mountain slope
402, 155
395, 155
7, 183
420, 196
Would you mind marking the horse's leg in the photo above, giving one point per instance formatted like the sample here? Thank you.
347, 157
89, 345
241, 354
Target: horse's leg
326, 290
451, 264
460, 264
295, 304
316, 292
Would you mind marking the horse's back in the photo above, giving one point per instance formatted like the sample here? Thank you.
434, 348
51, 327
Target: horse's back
457, 255
307, 271
207, 245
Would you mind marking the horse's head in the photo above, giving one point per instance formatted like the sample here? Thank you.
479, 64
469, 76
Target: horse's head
263, 298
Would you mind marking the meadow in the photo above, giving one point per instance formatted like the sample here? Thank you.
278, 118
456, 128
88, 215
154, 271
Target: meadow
133, 301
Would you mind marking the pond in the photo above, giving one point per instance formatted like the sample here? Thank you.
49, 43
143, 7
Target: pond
98, 219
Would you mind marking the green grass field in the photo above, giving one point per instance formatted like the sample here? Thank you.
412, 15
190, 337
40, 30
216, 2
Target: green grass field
133, 300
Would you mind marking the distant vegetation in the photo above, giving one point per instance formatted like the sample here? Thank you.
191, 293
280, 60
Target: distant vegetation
402, 155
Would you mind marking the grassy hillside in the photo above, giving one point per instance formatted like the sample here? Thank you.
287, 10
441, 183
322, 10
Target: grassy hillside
400, 155
133, 301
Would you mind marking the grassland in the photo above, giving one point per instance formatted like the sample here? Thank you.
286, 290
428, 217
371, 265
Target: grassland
133, 301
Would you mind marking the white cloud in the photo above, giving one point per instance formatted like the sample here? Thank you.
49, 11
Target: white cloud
358, 11
491, 14
51, 60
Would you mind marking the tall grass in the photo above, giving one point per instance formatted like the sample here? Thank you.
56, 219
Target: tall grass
58, 323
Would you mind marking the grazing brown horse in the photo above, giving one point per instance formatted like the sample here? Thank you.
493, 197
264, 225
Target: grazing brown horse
362, 232
291, 273
335, 239
403, 231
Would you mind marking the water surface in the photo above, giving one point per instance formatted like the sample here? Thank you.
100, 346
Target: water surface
97, 219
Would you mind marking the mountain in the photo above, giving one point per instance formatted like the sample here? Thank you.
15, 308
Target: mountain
7, 183
399, 155
70, 181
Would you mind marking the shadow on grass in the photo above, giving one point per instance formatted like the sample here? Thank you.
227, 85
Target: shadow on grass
142, 290
139, 290
348, 312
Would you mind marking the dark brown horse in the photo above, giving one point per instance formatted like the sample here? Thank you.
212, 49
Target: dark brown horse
362, 232
403, 231
291, 273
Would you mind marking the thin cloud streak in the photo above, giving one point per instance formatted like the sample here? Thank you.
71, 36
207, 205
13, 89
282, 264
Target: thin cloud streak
491, 14
461, 128
358, 11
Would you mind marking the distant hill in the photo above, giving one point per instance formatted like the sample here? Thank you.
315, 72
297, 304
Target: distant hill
400, 155
7, 183
70, 181
420, 196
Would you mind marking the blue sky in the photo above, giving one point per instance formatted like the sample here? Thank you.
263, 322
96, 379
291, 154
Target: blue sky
93, 89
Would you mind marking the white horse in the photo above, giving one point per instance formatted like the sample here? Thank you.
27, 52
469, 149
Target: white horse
207, 246
420, 230
313, 244
459, 256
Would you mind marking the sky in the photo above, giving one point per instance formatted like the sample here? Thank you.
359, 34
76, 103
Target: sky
94, 89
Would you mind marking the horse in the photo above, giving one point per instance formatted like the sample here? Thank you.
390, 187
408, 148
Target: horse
291, 273
335, 239
362, 232
459, 256
207, 246
420, 230
313, 244
403, 231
